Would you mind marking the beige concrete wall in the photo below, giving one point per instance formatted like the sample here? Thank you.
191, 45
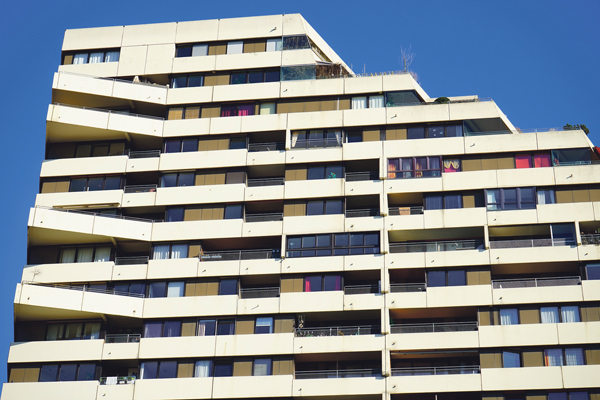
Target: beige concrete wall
69, 272
338, 387
519, 335
257, 345
537, 295
184, 388
435, 383
84, 390
177, 347
252, 386
57, 350
438, 340
531, 378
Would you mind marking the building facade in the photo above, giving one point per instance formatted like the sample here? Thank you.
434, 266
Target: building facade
227, 211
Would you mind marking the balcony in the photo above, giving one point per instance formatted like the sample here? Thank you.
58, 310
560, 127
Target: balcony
534, 290
423, 247
80, 390
140, 189
265, 182
367, 212
361, 289
443, 335
414, 210
259, 293
535, 282
435, 327
122, 338
134, 260
84, 288
117, 380
266, 217
522, 243
272, 146
316, 143
340, 373
337, 331
407, 287
362, 176
419, 371
235, 255
436, 379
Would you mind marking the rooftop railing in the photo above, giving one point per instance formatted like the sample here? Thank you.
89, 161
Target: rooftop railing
122, 338
140, 188
239, 255
520, 243
458, 370
272, 146
259, 293
361, 289
265, 182
362, 176
407, 287
413, 210
133, 260
316, 143
263, 217
434, 327
451, 245
367, 212
117, 380
110, 111
337, 331
83, 288
144, 154
536, 282
338, 373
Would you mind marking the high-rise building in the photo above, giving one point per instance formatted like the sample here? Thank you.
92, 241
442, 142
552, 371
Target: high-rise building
227, 211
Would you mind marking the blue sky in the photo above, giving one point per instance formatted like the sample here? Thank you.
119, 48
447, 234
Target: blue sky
537, 60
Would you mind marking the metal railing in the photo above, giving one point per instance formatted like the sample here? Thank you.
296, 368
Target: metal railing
536, 282
521, 243
140, 188
133, 260
434, 327
114, 79
263, 217
144, 154
259, 293
338, 331
413, 210
451, 245
339, 373
116, 216
362, 176
316, 143
361, 289
240, 255
122, 338
117, 380
575, 163
272, 146
83, 288
110, 111
367, 212
265, 182
590, 238
407, 287
458, 370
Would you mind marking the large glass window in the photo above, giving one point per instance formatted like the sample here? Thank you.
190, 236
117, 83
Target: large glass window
178, 179
510, 199
262, 367
170, 250
95, 183
322, 283
264, 325
403, 98
232, 110
414, 167
333, 244
511, 359
296, 42
437, 278
509, 316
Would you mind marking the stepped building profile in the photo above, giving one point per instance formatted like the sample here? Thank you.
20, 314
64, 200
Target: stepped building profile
227, 211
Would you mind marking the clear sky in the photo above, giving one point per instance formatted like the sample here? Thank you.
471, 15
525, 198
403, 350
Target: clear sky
538, 61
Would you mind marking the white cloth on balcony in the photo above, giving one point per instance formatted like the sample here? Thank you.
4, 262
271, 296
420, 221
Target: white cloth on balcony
111, 380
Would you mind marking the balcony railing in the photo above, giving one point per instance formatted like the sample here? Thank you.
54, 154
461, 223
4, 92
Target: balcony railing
415, 210
259, 293
115, 216
434, 327
83, 288
459, 370
367, 212
144, 154
122, 338
240, 255
420, 247
575, 163
140, 188
536, 282
521, 243
265, 182
407, 287
263, 217
117, 380
134, 260
362, 176
338, 331
110, 111
590, 238
361, 289
316, 143
339, 373
114, 79
273, 146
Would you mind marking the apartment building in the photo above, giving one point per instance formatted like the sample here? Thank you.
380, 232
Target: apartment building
227, 211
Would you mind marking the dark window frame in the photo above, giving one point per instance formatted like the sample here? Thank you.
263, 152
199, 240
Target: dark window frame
500, 205
332, 249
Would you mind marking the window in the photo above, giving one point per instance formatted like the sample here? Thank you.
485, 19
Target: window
264, 325
316, 138
233, 110
324, 207
189, 112
183, 81
261, 367
228, 287
439, 201
545, 196
234, 211
73, 331
511, 359
510, 199
95, 183
203, 369
130, 288
268, 108
178, 179
452, 165
164, 289
235, 47
298, 72
325, 172
156, 329
560, 357
333, 244
434, 131
79, 254
438, 278
360, 102
170, 251
160, 370
226, 327
414, 167
181, 145
509, 316
255, 76
403, 98
593, 271
67, 372
92, 56
295, 42
274, 44
223, 369
553, 315
195, 50
533, 160
101, 149
571, 157
207, 327
322, 283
